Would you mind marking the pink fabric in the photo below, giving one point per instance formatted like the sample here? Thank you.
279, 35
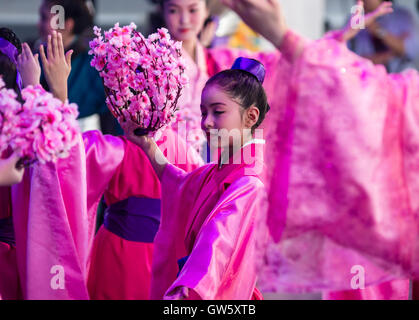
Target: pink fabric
54, 218
209, 215
121, 269
51, 223
346, 176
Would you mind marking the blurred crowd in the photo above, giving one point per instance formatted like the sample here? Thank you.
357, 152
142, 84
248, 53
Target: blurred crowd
392, 40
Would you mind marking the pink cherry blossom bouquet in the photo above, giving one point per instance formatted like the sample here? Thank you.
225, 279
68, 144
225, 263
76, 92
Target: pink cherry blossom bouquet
42, 128
143, 77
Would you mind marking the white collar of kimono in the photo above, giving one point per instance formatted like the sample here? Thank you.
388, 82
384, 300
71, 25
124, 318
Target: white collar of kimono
254, 141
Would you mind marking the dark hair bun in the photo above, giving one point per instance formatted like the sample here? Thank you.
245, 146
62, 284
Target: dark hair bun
245, 88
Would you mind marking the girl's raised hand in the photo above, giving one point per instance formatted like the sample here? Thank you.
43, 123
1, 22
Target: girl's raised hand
57, 65
9, 174
384, 8
129, 128
28, 66
263, 16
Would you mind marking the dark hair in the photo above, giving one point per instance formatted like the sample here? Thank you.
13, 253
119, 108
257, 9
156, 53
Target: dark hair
8, 69
245, 88
76, 10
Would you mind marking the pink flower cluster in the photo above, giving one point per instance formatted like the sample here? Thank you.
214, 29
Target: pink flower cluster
41, 129
143, 77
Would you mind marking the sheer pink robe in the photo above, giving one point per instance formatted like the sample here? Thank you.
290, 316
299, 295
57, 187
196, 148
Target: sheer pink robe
346, 176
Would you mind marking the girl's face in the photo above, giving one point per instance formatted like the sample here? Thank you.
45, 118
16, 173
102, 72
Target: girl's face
220, 112
185, 18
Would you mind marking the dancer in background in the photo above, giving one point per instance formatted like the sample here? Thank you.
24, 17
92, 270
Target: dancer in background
392, 40
29, 252
184, 20
121, 256
49, 257
352, 200
85, 86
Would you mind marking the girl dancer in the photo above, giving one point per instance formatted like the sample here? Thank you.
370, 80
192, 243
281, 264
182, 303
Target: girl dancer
209, 216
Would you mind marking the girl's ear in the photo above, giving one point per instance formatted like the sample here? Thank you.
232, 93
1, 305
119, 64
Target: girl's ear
252, 116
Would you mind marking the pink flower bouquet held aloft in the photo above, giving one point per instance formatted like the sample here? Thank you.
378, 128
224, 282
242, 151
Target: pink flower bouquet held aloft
41, 129
143, 77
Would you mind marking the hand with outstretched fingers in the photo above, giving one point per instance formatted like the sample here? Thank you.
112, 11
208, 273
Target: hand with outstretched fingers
57, 65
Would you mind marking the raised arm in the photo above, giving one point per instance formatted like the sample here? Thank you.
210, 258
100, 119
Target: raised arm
57, 65
254, 12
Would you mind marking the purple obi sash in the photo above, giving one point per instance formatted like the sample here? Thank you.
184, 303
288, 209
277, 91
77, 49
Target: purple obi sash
134, 219
7, 233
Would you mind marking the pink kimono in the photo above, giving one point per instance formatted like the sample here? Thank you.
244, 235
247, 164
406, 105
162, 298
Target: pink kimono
51, 230
206, 242
346, 177
120, 263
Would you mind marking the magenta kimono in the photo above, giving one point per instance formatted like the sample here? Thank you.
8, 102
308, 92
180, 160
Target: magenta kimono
346, 177
208, 231
121, 258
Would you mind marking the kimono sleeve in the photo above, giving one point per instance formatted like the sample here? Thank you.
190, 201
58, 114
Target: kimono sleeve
52, 228
345, 174
222, 262
104, 154
168, 242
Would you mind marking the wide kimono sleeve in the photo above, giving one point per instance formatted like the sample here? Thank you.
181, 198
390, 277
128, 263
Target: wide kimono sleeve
345, 178
169, 240
54, 218
222, 262
104, 155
